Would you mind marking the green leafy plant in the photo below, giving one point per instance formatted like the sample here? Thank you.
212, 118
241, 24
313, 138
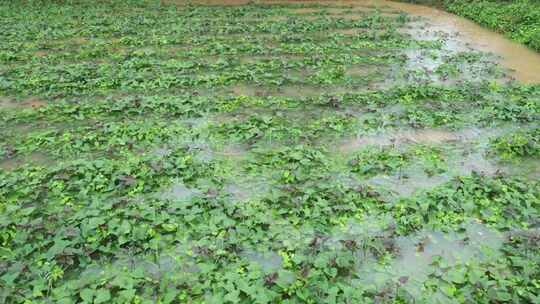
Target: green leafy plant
518, 144
258, 153
378, 161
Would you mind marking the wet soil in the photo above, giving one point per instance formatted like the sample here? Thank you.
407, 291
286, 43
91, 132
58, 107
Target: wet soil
35, 158
29, 103
461, 33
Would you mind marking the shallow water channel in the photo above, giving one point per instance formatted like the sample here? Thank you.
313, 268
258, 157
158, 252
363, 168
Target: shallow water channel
462, 33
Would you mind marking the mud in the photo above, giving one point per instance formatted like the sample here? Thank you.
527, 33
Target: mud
34, 158
293, 91
460, 33
351, 31
29, 103
463, 34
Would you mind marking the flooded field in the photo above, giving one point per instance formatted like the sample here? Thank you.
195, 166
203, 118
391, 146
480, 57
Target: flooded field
265, 152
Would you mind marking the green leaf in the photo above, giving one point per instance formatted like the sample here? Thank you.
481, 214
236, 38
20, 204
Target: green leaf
285, 278
503, 296
102, 295
87, 295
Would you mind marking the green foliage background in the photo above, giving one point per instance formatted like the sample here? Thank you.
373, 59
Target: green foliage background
155, 153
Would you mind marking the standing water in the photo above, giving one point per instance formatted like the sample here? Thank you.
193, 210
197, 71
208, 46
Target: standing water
465, 34
523, 61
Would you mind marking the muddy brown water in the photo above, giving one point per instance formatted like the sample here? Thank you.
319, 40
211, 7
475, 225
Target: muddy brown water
524, 62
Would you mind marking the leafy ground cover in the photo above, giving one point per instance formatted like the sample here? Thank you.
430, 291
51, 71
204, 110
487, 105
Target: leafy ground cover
519, 20
263, 153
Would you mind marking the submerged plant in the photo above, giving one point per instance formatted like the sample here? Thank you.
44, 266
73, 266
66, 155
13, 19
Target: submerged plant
259, 153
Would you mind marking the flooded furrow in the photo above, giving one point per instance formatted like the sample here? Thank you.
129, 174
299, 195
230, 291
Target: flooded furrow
461, 33
464, 34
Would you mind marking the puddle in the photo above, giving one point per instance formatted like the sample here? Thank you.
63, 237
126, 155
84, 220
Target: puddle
416, 254
528, 167
301, 91
232, 151
361, 70
428, 136
422, 59
241, 191
413, 255
363, 233
474, 162
161, 152
268, 261
156, 267
202, 150
444, 67
179, 192
407, 182
416, 177
463, 34
237, 192
400, 137
412, 179
464, 153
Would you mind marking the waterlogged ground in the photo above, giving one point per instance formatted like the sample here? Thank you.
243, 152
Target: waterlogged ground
264, 153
